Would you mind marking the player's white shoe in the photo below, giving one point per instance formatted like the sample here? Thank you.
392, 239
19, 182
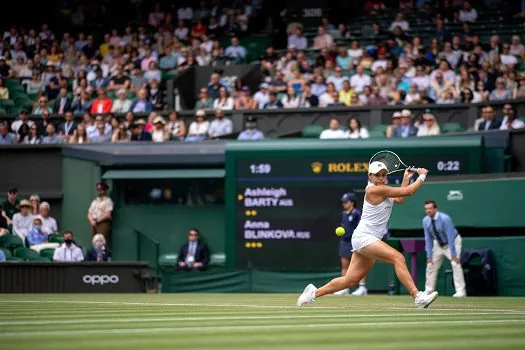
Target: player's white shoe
342, 292
423, 300
308, 295
360, 292
459, 295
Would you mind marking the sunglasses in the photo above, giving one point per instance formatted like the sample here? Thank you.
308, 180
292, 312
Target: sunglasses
428, 120
192, 234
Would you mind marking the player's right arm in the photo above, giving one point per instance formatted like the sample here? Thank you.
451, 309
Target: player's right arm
395, 192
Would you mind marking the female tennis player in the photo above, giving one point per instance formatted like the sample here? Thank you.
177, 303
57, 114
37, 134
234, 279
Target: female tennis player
366, 240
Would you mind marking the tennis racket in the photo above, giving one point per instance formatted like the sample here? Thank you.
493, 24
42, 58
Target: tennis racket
392, 162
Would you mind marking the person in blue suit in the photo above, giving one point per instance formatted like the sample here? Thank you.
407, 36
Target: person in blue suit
350, 218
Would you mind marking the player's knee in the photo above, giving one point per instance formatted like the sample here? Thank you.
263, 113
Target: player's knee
398, 259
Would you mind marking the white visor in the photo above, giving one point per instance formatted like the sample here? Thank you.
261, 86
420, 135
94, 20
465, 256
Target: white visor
376, 167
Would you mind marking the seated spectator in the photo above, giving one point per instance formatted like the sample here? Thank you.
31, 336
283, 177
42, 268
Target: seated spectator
506, 57
330, 97
250, 132
159, 133
220, 126
147, 59
296, 40
168, 61
355, 130
67, 128
360, 79
2, 255
153, 72
68, 251
49, 224
516, 47
194, 255
37, 238
100, 82
101, 135
82, 103
122, 104
223, 101
120, 135
396, 121
400, 22
33, 138
181, 32
481, 94
120, 80
102, 104
4, 91
63, 103
466, 96
334, 131
489, 120
510, 119
337, 78
308, 99
245, 100
273, 102
79, 135
323, 40
176, 126
291, 100
99, 252
447, 97
236, 52
467, 13
430, 126
204, 101
198, 130
141, 104
405, 128
34, 199
263, 95
35, 86
155, 96
6, 137
500, 92
42, 106
52, 137
23, 119
346, 93
23, 220
318, 86
138, 133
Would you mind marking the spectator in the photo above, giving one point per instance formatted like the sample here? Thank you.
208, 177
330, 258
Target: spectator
99, 82
480, 94
334, 131
100, 212
153, 72
273, 102
467, 13
148, 57
35, 204
6, 137
49, 224
102, 104
400, 22
430, 126
355, 130
220, 126
155, 95
245, 100
330, 97
122, 104
37, 238
33, 138
4, 67
510, 119
101, 135
516, 47
68, 251
2, 255
489, 120
141, 104
176, 126
308, 99
42, 106
194, 255
223, 101
79, 135
67, 128
447, 97
405, 128
9, 207
360, 79
506, 57
181, 32
250, 132
263, 95
159, 133
500, 92
82, 103
138, 133
214, 85
296, 40
52, 137
4, 92
120, 80
235, 51
319, 86
198, 130
466, 96
120, 135
323, 40
337, 78
23, 119
396, 121
346, 93
23, 220
204, 101
291, 100
168, 61
99, 252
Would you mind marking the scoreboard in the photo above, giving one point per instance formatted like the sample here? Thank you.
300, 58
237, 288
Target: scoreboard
285, 203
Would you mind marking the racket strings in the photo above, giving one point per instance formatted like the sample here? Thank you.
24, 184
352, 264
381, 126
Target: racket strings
390, 160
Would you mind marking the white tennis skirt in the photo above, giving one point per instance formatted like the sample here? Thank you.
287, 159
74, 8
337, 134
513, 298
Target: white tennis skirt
361, 240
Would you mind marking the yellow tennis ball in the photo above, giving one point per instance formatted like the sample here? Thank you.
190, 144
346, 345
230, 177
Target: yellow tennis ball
340, 231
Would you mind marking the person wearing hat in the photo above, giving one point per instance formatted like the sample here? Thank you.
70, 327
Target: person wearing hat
405, 128
23, 119
100, 212
367, 244
122, 104
9, 208
350, 218
23, 220
263, 95
137, 131
159, 133
198, 130
430, 126
251, 133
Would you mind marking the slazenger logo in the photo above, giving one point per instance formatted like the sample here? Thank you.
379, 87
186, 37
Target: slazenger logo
100, 279
455, 195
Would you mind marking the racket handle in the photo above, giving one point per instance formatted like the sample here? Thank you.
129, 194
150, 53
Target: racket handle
412, 169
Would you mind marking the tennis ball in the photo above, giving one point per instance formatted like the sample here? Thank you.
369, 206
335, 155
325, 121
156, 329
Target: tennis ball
340, 231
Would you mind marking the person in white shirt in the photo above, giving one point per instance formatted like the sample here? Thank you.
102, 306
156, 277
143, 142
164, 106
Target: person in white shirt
291, 99
68, 251
400, 22
506, 57
220, 126
360, 80
322, 40
510, 120
49, 224
262, 96
122, 104
159, 133
23, 220
467, 13
516, 48
430, 126
24, 119
334, 131
198, 130
356, 130
338, 78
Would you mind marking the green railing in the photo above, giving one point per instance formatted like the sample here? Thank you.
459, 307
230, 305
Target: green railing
148, 249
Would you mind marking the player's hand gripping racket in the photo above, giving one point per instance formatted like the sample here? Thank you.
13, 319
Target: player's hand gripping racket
392, 162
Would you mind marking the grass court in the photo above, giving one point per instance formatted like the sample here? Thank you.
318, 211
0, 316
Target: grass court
256, 321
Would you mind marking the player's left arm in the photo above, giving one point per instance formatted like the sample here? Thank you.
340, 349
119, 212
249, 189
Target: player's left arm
406, 181
450, 231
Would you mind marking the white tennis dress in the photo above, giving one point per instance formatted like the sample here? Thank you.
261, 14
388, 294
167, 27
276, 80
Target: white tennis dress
373, 224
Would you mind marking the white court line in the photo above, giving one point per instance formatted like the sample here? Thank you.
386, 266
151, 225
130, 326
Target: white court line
234, 318
213, 329
248, 306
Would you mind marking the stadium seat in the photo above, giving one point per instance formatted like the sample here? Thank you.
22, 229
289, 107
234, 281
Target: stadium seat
7, 253
375, 134
169, 259
451, 127
7, 103
54, 238
312, 131
218, 259
37, 258
379, 127
14, 259
47, 253
25, 253
11, 242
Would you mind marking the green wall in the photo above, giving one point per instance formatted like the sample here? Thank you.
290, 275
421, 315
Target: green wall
79, 178
168, 224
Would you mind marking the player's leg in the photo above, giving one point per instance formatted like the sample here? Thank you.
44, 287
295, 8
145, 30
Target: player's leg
359, 267
345, 263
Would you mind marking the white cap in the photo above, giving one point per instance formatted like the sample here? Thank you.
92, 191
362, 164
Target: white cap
376, 167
